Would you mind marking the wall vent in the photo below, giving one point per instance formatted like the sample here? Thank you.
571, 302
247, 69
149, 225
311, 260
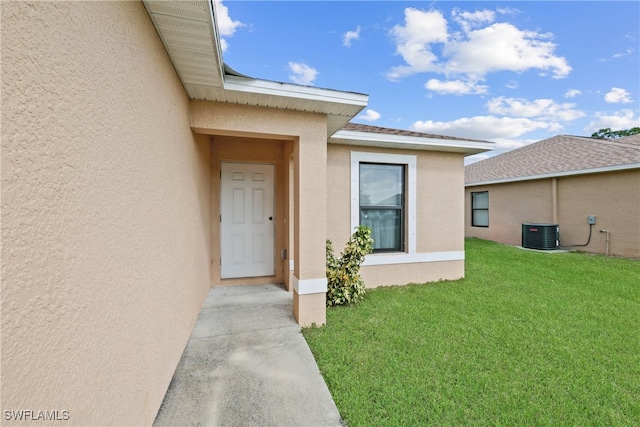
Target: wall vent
540, 236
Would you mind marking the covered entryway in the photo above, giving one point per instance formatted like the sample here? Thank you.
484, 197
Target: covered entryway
249, 210
227, 104
295, 144
246, 220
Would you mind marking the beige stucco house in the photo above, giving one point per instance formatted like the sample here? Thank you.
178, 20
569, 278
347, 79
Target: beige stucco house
563, 180
138, 171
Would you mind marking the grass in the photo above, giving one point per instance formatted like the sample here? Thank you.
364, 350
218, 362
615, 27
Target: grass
526, 338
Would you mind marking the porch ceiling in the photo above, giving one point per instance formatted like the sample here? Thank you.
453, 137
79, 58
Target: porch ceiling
190, 35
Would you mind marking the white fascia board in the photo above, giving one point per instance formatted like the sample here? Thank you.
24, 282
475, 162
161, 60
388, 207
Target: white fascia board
558, 174
266, 87
405, 142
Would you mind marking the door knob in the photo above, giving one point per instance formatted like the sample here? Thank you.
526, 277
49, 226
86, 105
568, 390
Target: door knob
270, 218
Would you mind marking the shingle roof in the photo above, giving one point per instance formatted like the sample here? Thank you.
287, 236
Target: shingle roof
559, 154
629, 140
357, 127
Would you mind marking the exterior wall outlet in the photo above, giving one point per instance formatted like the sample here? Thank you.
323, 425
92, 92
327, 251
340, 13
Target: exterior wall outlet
591, 219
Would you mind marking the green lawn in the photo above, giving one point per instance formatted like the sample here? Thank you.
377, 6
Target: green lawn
526, 338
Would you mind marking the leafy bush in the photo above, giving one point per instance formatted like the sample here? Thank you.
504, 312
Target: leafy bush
345, 286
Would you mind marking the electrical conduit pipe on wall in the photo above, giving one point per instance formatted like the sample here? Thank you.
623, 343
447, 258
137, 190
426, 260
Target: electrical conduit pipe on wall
607, 240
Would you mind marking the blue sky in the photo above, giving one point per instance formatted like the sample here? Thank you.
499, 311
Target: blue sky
510, 72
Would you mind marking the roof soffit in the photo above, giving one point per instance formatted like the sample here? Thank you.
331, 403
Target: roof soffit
191, 40
190, 35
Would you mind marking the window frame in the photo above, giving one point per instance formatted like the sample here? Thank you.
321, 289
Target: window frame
396, 207
410, 184
474, 209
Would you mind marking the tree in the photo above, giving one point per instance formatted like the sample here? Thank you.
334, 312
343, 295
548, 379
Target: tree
607, 133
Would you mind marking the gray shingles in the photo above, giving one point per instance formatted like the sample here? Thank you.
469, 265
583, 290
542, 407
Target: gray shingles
561, 153
357, 127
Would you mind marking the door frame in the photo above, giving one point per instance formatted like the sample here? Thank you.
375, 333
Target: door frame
273, 221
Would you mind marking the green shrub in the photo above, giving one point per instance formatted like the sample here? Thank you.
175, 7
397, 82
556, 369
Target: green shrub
345, 286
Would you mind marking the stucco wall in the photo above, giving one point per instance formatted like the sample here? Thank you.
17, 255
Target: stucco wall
439, 211
615, 200
510, 205
440, 202
613, 197
105, 213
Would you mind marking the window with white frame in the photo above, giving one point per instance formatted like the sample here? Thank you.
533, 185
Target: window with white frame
480, 209
382, 204
383, 197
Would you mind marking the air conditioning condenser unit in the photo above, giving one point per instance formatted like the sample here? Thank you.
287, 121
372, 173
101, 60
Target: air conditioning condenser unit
540, 236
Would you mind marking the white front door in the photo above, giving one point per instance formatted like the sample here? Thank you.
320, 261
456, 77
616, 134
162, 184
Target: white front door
246, 223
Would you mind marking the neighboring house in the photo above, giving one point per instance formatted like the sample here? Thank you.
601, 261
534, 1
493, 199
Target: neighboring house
561, 180
138, 171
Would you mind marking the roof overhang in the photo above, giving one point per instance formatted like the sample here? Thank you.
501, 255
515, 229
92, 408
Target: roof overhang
372, 139
190, 36
338, 106
616, 168
191, 39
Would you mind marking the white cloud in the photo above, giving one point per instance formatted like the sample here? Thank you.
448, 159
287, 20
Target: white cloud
502, 146
226, 25
627, 52
512, 84
475, 158
618, 95
484, 127
413, 41
506, 144
302, 73
370, 115
503, 47
538, 108
469, 20
509, 120
507, 11
455, 87
572, 93
223, 44
426, 45
349, 36
623, 119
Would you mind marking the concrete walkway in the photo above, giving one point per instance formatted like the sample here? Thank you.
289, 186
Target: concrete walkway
247, 364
